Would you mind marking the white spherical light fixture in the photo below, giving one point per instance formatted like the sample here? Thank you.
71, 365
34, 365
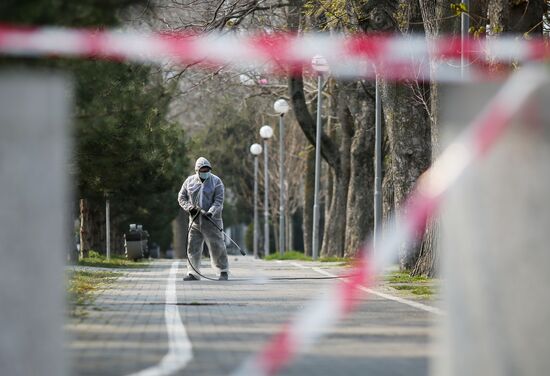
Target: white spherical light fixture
266, 132
281, 106
256, 149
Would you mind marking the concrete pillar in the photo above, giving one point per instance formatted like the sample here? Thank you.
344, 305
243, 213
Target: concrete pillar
495, 247
34, 221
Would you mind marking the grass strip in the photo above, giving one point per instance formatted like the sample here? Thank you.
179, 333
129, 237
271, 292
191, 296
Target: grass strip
295, 255
403, 281
404, 277
95, 259
81, 286
289, 255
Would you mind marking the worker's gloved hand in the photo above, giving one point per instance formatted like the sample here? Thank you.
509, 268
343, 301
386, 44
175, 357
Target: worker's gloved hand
194, 210
209, 214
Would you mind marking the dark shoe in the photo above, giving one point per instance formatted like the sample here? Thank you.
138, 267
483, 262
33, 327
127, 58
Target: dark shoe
223, 276
190, 277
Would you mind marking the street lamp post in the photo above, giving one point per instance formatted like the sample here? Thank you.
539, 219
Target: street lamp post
320, 65
281, 107
107, 226
266, 132
255, 149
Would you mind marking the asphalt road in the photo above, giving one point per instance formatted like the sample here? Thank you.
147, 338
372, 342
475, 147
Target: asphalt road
215, 326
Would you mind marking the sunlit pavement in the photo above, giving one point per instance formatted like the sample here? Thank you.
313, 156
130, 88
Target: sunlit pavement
125, 329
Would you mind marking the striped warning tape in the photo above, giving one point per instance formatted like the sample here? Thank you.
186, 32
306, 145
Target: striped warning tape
393, 57
322, 313
358, 56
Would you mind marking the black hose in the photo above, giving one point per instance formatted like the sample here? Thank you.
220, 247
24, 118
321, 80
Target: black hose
187, 253
245, 279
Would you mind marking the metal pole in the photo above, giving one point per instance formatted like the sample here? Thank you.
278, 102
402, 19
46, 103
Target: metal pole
255, 245
377, 165
315, 245
266, 203
464, 29
281, 185
108, 228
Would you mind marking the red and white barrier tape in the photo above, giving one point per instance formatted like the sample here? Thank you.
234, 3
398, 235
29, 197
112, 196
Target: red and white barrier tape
347, 56
321, 314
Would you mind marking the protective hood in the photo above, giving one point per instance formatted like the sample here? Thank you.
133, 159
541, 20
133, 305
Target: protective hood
202, 162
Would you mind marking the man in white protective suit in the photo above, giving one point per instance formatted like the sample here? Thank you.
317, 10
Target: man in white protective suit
201, 195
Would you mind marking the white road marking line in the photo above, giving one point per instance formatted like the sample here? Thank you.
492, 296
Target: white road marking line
180, 349
299, 265
408, 302
411, 303
321, 271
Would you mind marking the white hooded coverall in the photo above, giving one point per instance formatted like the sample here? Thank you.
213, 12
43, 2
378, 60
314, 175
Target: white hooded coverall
209, 196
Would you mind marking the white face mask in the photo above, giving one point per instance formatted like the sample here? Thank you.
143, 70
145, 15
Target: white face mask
204, 175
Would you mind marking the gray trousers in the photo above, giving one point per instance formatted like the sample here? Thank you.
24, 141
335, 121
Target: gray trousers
204, 231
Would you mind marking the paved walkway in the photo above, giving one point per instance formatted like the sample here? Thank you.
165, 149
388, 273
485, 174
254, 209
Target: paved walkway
125, 331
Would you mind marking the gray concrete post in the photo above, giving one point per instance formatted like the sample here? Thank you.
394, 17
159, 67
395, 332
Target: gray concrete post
496, 235
34, 231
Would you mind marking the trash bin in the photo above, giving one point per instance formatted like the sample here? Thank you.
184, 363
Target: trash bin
170, 252
154, 251
133, 244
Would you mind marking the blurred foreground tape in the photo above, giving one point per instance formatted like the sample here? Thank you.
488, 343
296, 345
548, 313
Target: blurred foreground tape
466, 151
34, 112
411, 57
496, 240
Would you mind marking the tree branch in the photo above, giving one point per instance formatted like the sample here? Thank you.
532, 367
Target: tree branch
329, 150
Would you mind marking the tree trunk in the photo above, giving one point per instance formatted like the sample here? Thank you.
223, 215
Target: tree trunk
289, 238
406, 121
428, 261
526, 16
359, 97
409, 137
332, 242
477, 13
117, 243
426, 264
438, 19
388, 202
338, 160
84, 228
92, 228
327, 189
335, 221
499, 16
276, 228
519, 16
